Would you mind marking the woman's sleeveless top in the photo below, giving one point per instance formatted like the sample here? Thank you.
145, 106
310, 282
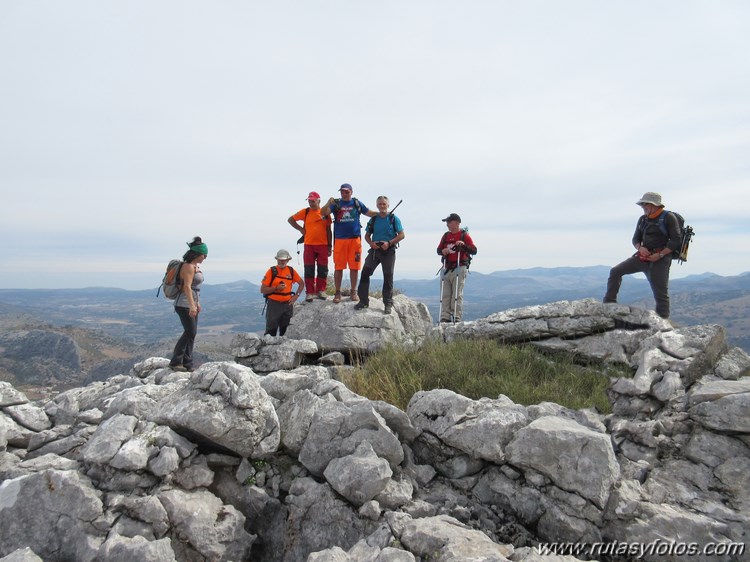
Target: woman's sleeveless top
182, 300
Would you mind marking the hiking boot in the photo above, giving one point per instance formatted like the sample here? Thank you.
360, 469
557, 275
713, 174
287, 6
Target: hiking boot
387, 309
361, 305
179, 368
337, 297
309, 298
355, 297
322, 296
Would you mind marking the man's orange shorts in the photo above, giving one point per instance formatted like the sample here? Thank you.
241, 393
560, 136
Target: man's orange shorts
347, 254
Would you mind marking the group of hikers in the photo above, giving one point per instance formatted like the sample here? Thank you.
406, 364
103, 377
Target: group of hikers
383, 233
657, 235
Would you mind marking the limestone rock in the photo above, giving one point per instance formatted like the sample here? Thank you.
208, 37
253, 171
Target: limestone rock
481, 428
338, 327
572, 456
56, 522
337, 430
359, 477
223, 405
210, 528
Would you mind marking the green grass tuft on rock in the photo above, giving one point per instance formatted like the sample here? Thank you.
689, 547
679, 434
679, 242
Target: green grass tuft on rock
483, 368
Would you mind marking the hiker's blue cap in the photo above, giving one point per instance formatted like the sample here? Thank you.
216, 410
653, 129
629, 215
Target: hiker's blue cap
345, 186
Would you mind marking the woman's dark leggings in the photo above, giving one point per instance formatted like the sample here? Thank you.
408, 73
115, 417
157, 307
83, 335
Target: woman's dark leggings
183, 351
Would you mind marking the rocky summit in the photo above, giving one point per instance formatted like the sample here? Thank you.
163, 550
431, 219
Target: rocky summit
270, 458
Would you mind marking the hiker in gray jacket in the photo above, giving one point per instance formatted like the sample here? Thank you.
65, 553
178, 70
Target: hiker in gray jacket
657, 236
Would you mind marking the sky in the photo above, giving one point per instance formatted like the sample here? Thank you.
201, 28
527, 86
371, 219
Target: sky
127, 128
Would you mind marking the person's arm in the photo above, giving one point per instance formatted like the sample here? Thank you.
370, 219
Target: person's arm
328, 208
441, 249
638, 236
295, 224
187, 273
399, 236
265, 288
467, 245
300, 287
329, 235
368, 239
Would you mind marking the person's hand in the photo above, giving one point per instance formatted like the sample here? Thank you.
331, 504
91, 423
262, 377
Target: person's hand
447, 251
331, 201
193, 312
280, 287
643, 252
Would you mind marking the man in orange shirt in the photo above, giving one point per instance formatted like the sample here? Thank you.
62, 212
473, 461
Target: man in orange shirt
318, 239
277, 288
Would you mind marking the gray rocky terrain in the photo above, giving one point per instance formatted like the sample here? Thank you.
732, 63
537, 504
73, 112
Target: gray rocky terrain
268, 457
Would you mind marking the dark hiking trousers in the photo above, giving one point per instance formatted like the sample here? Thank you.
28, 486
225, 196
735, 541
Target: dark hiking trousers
183, 350
657, 274
375, 258
278, 316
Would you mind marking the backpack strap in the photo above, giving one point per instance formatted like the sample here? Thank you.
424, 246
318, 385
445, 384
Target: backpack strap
275, 274
370, 228
663, 222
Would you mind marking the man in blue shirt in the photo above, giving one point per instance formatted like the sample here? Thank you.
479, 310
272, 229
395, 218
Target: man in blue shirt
382, 234
347, 247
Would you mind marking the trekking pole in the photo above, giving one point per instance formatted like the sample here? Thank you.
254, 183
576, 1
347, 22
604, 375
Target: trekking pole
442, 280
455, 287
396, 207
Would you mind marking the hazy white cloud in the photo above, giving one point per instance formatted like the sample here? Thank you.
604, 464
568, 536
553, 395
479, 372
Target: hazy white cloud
130, 127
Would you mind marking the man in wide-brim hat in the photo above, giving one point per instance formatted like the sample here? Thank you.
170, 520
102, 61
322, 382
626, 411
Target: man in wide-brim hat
657, 237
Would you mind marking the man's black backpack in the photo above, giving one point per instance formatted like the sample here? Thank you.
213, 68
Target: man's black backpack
687, 234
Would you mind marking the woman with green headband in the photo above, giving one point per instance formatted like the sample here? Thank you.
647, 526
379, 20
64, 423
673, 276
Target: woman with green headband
187, 305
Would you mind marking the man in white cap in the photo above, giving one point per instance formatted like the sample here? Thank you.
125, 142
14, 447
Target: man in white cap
276, 287
657, 237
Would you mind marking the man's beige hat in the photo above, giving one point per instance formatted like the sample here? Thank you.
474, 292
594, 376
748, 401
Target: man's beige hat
651, 197
283, 255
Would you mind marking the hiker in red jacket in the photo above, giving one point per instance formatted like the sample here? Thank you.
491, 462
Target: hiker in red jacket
456, 248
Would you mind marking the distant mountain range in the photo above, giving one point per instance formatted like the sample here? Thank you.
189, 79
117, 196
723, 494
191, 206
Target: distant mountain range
138, 317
